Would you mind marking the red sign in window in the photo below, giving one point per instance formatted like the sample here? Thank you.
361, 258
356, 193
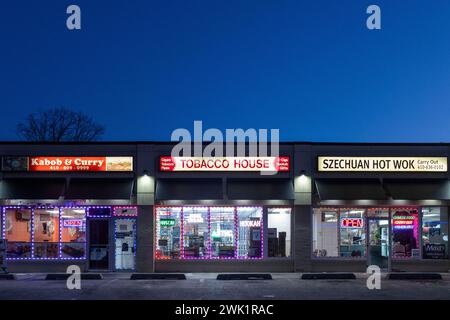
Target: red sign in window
352, 223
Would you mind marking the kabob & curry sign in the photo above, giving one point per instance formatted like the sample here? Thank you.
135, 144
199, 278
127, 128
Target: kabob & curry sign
67, 163
40, 162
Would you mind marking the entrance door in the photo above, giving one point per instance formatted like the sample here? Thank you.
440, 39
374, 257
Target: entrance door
378, 244
125, 240
99, 244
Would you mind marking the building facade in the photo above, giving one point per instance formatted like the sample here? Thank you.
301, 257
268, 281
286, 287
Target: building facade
129, 206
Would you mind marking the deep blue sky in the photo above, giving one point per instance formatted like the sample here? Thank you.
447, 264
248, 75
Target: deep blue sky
310, 68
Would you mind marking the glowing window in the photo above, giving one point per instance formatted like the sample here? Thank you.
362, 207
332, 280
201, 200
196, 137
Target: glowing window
46, 233
195, 232
17, 230
168, 232
405, 232
222, 232
435, 233
352, 233
249, 226
73, 232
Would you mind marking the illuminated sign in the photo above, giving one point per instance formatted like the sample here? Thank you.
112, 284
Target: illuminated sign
403, 222
167, 222
272, 164
382, 164
250, 223
222, 234
352, 223
64, 163
72, 223
194, 218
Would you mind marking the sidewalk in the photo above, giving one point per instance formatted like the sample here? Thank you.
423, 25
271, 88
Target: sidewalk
205, 286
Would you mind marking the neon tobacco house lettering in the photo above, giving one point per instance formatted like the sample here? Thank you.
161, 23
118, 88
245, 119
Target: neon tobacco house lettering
300, 211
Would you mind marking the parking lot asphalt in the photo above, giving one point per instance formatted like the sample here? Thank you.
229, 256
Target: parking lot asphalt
204, 286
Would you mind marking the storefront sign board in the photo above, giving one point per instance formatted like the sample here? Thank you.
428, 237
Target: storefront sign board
66, 163
382, 164
269, 164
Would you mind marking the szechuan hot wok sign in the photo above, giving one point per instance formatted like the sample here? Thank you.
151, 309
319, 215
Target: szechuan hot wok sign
63, 163
386, 164
273, 164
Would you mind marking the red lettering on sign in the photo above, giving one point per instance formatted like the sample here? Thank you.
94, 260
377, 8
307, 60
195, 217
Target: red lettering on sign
352, 223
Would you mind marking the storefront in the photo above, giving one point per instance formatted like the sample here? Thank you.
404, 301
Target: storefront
71, 234
381, 236
221, 214
314, 207
61, 210
371, 209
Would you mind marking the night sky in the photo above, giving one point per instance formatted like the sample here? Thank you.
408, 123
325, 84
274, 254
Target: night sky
310, 68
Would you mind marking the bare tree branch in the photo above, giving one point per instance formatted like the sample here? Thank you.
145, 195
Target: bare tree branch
59, 125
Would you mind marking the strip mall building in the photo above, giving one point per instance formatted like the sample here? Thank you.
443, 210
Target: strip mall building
131, 207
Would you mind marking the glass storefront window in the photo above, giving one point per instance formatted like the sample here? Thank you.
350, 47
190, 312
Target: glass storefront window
222, 232
405, 230
209, 232
435, 233
195, 232
249, 224
168, 232
325, 233
50, 232
352, 242
279, 232
17, 230
73, 232
380, 213
46, 233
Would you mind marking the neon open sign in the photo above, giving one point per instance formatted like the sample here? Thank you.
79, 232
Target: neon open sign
352, 223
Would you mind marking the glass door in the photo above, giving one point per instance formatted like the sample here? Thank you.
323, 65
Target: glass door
125, 243
99, 244
378, 245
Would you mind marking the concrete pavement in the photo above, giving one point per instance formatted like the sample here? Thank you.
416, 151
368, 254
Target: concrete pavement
205, 286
